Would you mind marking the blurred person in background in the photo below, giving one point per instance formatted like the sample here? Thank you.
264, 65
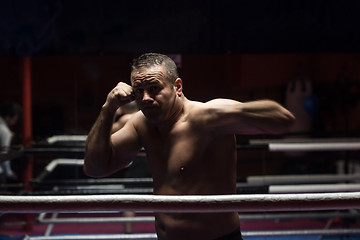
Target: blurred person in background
10, 112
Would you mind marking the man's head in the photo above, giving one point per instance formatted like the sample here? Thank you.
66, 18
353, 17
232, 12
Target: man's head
10, 112
149, 60
157, 86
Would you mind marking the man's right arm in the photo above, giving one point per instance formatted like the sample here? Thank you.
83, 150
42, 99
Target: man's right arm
106, 153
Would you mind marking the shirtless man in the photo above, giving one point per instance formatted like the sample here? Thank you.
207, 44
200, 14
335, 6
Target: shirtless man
190, 145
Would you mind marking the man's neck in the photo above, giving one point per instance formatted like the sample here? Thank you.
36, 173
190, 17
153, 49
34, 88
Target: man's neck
177, 114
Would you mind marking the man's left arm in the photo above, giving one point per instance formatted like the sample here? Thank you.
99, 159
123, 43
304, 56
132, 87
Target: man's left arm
255, 117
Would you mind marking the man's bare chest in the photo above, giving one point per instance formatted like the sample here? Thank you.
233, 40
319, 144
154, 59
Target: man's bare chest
175, 150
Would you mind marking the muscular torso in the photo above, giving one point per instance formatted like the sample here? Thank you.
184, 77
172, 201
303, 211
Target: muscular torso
186, 160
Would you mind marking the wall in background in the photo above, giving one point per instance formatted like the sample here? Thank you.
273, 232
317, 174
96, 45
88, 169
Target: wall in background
68, 91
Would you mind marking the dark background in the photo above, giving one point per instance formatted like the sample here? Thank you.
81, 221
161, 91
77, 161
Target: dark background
244, 50
67, 27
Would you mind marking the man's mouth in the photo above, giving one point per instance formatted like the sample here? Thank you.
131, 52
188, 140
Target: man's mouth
149, 108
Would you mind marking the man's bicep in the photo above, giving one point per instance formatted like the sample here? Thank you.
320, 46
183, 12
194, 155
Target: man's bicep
229, 117
254, 117
126, 144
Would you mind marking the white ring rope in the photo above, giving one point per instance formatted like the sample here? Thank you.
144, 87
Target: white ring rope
153, 236
187, 203
66, 138
352, 214
141, 236
298, 147
315, 188
296, 179
310, 144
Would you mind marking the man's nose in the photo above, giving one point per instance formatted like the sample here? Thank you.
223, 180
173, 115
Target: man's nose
147, 97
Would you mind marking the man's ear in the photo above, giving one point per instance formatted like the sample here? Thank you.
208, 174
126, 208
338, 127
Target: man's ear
178, 86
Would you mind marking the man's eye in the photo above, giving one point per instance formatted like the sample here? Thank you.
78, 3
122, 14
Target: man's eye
153, 88
139, 90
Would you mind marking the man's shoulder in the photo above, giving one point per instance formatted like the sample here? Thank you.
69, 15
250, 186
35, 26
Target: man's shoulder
196, 106
139, 120
137, 117
191, 105
214, 101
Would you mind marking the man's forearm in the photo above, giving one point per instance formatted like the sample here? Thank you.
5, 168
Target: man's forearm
267, 115
98, 145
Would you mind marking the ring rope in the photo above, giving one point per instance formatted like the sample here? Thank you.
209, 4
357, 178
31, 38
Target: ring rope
298, 147
332, 144
243, 217
187, 203
296, 179
244, 233
315, 188
141, 236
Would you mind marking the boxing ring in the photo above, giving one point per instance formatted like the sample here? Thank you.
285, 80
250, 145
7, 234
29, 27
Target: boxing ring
316, 196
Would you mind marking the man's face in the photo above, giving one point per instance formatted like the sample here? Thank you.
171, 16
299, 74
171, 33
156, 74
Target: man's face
154, 94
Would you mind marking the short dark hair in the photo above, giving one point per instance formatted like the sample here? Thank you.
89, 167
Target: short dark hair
10, 109
150, 59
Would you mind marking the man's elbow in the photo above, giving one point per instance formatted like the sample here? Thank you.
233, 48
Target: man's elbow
90, 172
93, 170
